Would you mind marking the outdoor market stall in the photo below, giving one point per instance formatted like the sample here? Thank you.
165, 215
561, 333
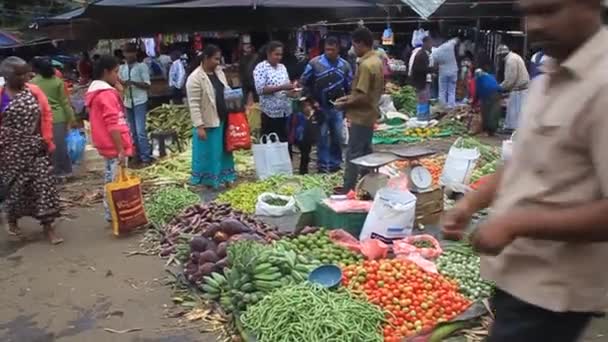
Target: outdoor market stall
275, 284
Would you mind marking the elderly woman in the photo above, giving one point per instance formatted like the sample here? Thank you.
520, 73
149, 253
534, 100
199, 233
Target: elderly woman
26, 142
212, 165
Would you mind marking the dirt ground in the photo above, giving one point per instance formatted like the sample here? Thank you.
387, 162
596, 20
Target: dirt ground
73, 292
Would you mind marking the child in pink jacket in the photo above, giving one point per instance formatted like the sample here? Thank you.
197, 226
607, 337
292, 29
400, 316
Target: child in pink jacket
109, 129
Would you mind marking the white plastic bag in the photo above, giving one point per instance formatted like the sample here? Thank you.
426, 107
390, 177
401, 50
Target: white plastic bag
263, 208
459, 165
507, 148
391, 217
271, 157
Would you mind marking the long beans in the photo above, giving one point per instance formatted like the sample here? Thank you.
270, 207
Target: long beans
308, 313
167, 202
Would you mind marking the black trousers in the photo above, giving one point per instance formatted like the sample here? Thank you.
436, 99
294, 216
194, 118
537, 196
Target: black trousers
518, 321
305, 149
359, 145
275, 125
177, 95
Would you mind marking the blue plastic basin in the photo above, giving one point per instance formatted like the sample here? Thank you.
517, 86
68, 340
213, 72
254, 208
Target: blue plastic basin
328, 276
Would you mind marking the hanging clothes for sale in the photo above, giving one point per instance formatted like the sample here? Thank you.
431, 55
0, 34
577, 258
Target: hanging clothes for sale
388, 37
198, 42
150, 46
418, 36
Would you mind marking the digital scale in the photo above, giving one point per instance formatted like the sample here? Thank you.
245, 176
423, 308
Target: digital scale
419, 177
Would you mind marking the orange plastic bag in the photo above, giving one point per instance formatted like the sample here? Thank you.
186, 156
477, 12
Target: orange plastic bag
125, 202
406, 246
238, 134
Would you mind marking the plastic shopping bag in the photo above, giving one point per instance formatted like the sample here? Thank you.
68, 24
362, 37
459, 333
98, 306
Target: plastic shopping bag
408, 246
266, 206
125, 202
459, 165
76, 143
372, 249
238, 134
391, 217
271, 157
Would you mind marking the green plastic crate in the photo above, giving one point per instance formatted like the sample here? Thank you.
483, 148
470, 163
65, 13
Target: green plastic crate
350, 222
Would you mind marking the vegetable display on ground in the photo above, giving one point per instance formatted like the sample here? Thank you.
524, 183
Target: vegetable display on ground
163, 204
319, 246
209, 225
460, 263
307, 313
244, 196
416, 300
177, 168
405, 100
170, 117
254, 271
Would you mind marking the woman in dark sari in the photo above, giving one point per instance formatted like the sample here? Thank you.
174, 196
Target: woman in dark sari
26, 141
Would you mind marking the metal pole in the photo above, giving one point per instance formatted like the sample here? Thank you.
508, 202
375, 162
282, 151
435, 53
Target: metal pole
525, 52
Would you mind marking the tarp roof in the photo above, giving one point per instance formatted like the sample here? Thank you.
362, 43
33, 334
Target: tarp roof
128, 18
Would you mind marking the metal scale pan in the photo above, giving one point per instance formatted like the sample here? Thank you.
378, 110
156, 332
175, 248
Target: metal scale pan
413, 152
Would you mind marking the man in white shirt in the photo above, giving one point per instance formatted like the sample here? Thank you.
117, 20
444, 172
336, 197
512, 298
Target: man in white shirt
177, 77
444, 58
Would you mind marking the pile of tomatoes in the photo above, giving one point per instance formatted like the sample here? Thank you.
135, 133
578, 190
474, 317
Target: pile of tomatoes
415, 300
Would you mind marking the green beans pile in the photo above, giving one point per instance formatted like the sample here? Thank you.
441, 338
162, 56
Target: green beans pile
461, 264
167, 202
308, 313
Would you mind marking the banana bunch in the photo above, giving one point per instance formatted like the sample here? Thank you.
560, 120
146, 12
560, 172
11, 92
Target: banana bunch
275, 267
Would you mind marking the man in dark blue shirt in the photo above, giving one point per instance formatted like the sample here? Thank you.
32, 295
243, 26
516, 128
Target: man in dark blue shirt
487, 91
325, 79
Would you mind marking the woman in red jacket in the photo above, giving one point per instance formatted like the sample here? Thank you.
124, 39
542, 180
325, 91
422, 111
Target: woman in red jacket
26, 141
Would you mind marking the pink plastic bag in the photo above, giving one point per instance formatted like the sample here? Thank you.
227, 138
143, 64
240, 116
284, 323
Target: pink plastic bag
343, 238
417, 259
374, 249
371, 248
406, 247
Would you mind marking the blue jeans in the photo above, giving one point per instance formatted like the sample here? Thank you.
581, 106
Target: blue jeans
108, 177
447, 89
137, 124
329, 149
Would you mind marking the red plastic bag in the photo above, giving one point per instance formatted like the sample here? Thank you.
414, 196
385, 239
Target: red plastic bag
238, 133
406, 246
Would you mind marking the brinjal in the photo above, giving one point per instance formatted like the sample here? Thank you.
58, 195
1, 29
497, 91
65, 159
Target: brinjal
194, 257
199, 244
207, 268
208, 257
233, 227
222, 249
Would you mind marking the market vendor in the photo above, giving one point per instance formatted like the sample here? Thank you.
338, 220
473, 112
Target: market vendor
545, 245
515, 83
327, 78
362, 104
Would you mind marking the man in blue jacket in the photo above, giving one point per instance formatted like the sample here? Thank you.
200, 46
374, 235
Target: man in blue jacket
327, 78
487, 91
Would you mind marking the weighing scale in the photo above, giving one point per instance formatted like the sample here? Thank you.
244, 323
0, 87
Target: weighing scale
373, 180
420, 178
